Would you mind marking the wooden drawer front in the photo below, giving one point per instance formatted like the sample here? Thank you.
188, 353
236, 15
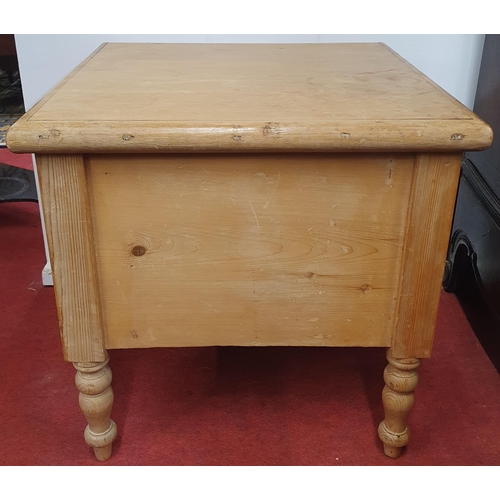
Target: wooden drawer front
197, 250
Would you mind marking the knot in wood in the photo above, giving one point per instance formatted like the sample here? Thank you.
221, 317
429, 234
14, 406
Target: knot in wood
138, 251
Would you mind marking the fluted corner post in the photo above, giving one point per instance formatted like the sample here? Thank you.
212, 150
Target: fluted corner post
93, 380
401, 379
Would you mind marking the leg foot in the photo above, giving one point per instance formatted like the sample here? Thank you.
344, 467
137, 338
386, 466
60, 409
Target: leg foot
102, 454
96, 399
401, 378
392, 451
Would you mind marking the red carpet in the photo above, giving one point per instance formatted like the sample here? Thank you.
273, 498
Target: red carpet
23, 161
228, 406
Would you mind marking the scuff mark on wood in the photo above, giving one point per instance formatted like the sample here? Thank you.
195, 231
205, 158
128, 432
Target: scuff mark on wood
272, 128
255, 215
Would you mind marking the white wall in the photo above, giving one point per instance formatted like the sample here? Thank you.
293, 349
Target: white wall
452, 61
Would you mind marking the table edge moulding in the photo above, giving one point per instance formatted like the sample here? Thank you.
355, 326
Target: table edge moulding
289, 112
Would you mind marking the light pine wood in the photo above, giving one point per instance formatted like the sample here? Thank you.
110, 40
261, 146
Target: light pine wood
249, 250
63, 187
432, 201
401, 379
93, 380
247, 97
320, 217
150, 137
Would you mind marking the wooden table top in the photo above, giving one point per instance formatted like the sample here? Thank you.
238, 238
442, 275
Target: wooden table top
245, 97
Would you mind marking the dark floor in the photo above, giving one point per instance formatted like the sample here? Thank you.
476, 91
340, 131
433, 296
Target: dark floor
483, 321
11, 102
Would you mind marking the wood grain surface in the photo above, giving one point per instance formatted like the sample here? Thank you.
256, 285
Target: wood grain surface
249, 249
63, 188
247, 97
430, 215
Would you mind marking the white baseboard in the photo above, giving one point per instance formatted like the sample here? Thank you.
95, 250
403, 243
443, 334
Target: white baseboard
47, 275
47, 270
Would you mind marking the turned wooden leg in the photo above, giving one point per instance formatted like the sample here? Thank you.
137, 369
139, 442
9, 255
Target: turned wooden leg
96, 399
400, 378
